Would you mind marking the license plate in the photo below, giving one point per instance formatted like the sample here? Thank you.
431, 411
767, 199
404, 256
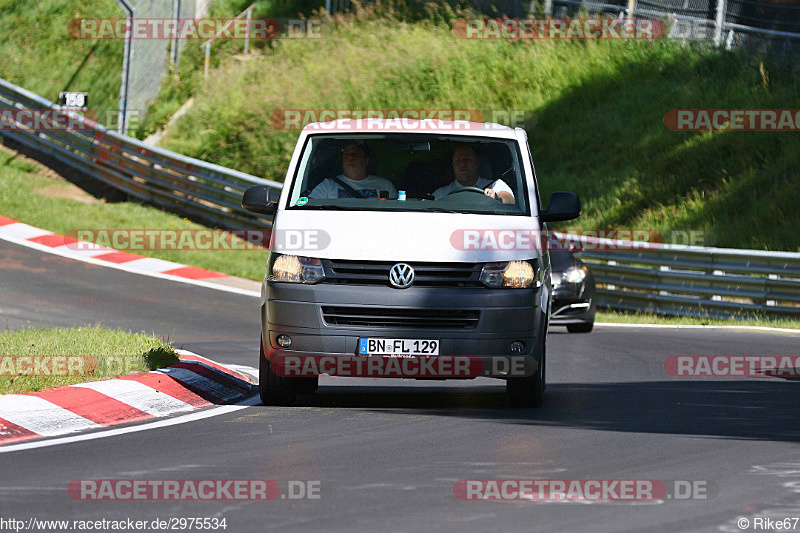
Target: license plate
368, 346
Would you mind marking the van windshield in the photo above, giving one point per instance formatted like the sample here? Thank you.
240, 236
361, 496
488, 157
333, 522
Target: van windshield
410, 172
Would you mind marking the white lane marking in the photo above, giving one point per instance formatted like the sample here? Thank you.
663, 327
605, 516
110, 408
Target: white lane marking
90, 251
696, 326
200, 415
40, 416
246, 370
151, 264
18, 230
242, 369
138, 395
184, 375
122, 266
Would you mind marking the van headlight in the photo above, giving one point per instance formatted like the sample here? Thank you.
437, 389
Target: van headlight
512, 274
575, 274
297, 269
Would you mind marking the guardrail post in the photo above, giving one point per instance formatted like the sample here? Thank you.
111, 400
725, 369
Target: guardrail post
247, 32
631, 9
176, 12
717, 297
662, 268
611, 287
771, 302
122, 118
207, 60
719, 22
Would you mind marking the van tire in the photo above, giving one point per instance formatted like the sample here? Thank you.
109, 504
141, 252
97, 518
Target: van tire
274, 389
528, 391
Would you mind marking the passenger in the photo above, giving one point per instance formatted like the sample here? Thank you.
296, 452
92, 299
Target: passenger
354, 181
465, 166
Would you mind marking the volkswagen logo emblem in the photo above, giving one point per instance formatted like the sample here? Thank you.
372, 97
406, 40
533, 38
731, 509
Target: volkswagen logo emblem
401, 276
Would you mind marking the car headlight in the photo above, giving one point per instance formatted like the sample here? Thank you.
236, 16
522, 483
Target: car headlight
297, 269
575, 274
513, 274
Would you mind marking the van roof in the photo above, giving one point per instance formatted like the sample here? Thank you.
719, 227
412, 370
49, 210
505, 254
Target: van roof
407, 125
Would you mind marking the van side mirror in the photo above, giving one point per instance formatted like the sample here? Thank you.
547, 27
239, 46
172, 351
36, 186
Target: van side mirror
562, 206
256, 200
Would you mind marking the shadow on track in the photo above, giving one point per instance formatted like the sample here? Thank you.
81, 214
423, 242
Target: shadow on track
765, 410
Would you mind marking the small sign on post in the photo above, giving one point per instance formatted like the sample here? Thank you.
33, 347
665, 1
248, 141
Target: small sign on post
73, 100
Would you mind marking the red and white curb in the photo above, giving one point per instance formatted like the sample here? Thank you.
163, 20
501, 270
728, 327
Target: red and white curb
193, 383
47, 241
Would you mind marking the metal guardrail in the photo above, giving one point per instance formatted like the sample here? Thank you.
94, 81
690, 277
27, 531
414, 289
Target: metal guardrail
152, 175
665, 279
691, 280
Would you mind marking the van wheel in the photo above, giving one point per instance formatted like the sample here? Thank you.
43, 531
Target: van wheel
274, 389
528, 391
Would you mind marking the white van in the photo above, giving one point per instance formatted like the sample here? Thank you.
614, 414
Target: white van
406, 248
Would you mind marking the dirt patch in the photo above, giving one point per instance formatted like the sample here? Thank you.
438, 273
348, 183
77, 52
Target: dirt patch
48, 167
67, 191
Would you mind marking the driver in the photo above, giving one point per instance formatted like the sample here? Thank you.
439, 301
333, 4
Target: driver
355, 180
465, 167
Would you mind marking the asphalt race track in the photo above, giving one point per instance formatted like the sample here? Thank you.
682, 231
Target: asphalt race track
387, 458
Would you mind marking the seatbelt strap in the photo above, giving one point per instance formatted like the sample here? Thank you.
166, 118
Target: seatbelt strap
351, 191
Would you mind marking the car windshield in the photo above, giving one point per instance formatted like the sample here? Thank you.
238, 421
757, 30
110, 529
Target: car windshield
405, 172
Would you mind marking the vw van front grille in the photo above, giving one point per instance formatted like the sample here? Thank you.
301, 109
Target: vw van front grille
425, 274
401, 318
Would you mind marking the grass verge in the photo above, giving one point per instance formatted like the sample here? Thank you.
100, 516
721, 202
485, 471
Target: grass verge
115, 353
647, 318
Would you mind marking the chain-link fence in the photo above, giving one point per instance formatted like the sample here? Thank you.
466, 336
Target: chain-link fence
768, 26
150, 58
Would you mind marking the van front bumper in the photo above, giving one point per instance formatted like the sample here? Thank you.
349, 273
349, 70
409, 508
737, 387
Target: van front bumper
497, 319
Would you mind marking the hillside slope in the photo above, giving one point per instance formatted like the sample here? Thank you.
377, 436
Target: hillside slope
39, 54
598, 110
